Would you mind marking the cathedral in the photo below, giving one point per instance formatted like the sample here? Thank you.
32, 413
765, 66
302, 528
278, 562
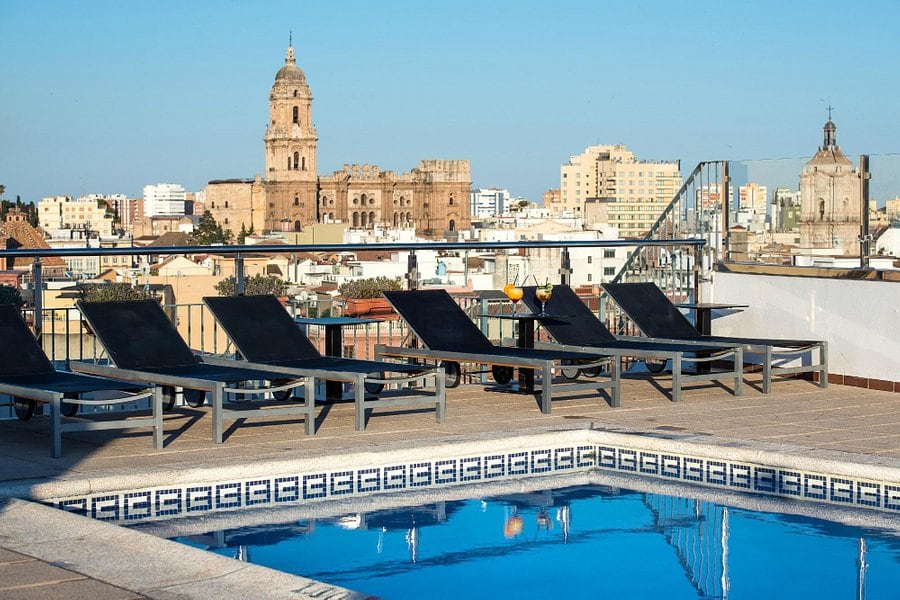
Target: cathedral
432, 198
830, 205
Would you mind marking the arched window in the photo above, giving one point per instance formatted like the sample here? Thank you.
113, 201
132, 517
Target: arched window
356, 219
821, 209
296, 201
331, 217
408, 217
451, 199
295, 93
362, 219
226, 204
396, 219
371, 219
452, 226
296, 160
298, 226
296, 114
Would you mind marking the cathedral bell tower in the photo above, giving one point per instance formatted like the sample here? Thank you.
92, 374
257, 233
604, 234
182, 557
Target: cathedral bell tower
290, 137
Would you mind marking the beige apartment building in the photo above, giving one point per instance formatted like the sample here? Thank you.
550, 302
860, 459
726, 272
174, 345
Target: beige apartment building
634, 192
62, 212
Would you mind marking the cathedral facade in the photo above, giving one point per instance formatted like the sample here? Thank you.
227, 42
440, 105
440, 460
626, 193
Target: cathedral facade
433, 198
830, 198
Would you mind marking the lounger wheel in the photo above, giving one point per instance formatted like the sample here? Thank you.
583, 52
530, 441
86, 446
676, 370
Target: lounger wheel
453, 374
24, 408
590, 371
570, 372
375, 388
282, 395
69, 409
502, 374
194, 398
655, 365
168, 394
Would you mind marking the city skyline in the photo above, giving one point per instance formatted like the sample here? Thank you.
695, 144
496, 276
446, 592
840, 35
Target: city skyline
106, 98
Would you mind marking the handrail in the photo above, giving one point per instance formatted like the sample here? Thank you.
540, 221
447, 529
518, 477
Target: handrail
312, 248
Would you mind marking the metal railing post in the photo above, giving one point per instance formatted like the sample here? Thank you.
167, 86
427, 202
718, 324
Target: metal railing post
864, 238
37, 282
412, 271
565, 267
239, 274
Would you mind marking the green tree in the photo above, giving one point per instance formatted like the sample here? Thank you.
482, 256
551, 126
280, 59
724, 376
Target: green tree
209, 232
258, 285
10, 295
242, 235
112, 292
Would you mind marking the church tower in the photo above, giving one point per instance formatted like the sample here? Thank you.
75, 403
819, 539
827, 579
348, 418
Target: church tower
290, 136
830, 198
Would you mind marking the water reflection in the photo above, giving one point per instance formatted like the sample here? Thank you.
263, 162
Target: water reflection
695, 546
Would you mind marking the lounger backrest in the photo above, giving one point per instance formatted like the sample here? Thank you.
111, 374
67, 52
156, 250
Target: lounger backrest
20, 353
651, 310
260, 328
576, 325
439, 321
137, 334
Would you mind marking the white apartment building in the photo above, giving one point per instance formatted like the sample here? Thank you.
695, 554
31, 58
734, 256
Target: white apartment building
164, 200
489, 202
634, 192
62, 213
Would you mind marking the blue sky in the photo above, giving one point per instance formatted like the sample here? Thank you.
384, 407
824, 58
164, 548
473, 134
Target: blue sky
106, 97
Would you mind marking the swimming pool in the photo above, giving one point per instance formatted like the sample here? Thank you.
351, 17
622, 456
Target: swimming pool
584, 541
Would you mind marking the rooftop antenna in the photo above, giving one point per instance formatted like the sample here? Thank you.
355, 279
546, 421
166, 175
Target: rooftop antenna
290, 37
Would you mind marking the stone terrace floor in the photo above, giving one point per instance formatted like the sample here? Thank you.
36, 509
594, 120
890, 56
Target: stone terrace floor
863, 423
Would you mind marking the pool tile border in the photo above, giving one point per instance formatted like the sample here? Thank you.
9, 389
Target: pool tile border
455, 467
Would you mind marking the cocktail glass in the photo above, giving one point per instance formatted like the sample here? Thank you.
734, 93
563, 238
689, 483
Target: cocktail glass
542, 294
515, 294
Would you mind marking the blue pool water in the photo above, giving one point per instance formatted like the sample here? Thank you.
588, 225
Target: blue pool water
583, 542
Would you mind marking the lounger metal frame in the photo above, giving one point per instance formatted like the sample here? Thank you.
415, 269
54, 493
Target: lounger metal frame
58, 426
27, 374
217, 388
359, 380
772, 349
544, 366
620, 347
287, 349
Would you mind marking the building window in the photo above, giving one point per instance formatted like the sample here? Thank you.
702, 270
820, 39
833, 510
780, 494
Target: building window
296, 160
609, 271
590, 259
590, 277
452, 225
609, 253
303, 163
226, 204
296, 114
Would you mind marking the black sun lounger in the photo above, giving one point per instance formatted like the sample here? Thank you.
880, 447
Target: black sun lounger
267, 337
449, 335
658, 318
144, 346
29, 377
577, 328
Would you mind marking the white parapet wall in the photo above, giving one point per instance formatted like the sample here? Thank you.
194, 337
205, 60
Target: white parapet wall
859, 319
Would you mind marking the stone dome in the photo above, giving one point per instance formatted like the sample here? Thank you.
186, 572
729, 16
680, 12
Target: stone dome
290, 72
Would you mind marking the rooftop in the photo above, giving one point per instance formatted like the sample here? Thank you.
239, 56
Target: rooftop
842, 425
